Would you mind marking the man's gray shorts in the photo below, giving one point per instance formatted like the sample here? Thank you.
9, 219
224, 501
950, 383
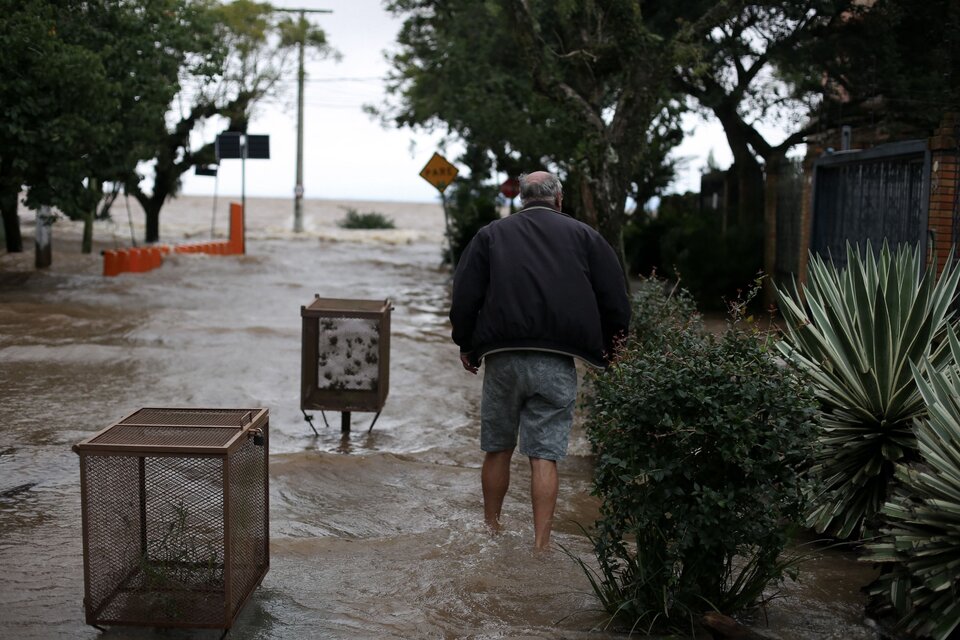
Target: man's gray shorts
532, 393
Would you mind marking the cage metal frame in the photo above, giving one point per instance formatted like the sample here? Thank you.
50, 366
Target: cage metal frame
345, 400
249, 427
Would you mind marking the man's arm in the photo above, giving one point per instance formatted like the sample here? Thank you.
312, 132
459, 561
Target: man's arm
469, 291
610, 289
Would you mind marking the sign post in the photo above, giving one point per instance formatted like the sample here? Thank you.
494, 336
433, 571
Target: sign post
440, 173
233, 144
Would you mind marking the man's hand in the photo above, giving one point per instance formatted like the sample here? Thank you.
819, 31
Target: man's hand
465, 361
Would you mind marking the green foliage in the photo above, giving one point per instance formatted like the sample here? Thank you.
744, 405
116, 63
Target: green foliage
89, 84
369, 220
895, 67
700, 442
576, 87
256, 50
919, 546
683, 243
54, 94
470, 207
661, 310
855, 332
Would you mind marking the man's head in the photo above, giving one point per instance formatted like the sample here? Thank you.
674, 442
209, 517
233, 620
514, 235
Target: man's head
541, 185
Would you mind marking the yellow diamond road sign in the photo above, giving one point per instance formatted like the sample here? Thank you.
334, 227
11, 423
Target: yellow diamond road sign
439, 172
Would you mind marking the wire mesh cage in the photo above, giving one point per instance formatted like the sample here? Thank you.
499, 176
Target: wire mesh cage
345, 354
175, 516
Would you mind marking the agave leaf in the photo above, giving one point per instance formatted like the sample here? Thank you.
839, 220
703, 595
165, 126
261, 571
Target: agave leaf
949, 621
860, 333
924, 515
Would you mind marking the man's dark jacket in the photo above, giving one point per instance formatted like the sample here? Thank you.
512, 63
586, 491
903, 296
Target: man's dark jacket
539, 280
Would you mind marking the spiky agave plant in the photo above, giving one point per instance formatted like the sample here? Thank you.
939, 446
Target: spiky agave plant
920, 544
855, 331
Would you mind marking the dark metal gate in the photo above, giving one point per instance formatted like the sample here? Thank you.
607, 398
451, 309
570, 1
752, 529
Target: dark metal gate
878, 194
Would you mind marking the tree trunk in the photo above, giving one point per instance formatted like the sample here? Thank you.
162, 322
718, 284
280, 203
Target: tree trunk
749, 173
86, 246
152, 233
11, 220
151, 206
603, 203
771, 191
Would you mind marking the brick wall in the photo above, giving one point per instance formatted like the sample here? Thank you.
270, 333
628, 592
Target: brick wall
943, 186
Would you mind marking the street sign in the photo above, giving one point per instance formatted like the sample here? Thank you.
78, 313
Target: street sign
228, 145
232, 144
439, 172
258, 147
510, 188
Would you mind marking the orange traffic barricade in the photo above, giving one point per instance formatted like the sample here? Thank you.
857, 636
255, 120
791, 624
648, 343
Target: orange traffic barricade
123, 261
111, 263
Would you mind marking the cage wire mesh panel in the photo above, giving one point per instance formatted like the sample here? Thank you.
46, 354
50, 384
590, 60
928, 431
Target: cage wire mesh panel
175, 516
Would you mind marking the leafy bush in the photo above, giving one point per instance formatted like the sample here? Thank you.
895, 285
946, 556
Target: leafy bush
470, 206
855, 332
370, 220
683, 243
699, 443
920, 543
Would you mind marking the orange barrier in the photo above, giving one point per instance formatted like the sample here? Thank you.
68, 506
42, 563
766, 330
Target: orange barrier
237, 245
156, 257
143, 259
111, 263
136, 263
123, 261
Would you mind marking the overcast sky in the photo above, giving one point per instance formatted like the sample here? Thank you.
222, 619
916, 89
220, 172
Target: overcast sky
348, 154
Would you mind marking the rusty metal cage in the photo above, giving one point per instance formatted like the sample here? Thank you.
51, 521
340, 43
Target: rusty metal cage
345, 356
175, 516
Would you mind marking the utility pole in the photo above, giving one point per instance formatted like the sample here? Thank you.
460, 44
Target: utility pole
301, 74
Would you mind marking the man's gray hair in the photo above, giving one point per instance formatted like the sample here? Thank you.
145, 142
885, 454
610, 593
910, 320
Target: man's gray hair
546, 189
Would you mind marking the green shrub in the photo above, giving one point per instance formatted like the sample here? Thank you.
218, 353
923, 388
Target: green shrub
919, 546
370, 220
470, 207
699, 443
855, 332
683, 243
661, 309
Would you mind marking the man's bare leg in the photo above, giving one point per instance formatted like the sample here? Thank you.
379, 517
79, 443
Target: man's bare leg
495, 480
544, 485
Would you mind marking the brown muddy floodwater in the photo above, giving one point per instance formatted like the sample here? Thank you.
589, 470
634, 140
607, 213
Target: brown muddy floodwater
376, 535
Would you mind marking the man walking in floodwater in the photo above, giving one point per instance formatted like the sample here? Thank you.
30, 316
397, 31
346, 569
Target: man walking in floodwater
531, 292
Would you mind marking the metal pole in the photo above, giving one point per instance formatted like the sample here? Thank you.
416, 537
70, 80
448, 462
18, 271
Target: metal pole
298, 190
243, 188
44, 252
446, 229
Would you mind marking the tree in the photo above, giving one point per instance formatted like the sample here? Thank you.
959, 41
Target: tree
258, 46
143, 46
883, 64
579, 87
53, 94
810, 66
87, 84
